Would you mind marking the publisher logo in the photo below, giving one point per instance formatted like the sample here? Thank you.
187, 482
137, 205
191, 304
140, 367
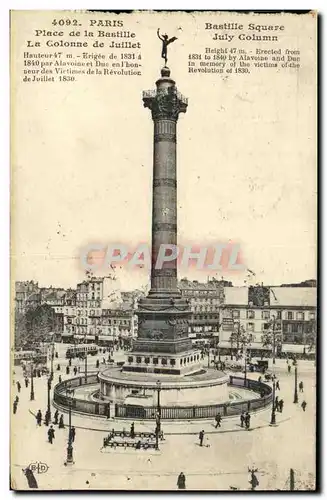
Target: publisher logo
38, 467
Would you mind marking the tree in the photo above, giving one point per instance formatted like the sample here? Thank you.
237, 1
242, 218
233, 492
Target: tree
240, 337
20, 329
272, 336
39, 323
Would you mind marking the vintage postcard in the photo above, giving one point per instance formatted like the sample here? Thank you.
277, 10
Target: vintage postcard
163, 250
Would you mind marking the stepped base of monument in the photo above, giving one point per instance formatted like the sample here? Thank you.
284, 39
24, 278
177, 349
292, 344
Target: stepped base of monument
204, 387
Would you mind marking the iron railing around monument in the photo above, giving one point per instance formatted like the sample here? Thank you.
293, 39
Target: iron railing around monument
228, 409
99, 408
62, 399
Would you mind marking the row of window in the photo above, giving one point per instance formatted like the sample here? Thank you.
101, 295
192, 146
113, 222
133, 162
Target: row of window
201, 292
204, 309
250, 314
201, 316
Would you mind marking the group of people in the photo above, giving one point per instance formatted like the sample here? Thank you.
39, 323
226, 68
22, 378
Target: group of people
56, 421
279, 404
245, 419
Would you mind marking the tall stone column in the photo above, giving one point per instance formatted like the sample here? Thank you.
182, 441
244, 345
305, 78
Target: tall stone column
162, 345
165, 104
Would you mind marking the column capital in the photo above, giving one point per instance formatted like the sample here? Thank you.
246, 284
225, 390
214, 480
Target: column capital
165, 102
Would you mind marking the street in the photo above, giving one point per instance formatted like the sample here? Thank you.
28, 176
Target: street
220, 464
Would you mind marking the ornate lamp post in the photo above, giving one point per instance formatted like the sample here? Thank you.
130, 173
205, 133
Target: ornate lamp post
70, 456
158, 415
273, 409
296, 397
246, 339
52, 356
274, 339
32, 397
49, 405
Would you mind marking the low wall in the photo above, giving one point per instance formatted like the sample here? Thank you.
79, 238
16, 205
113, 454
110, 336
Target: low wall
228, 409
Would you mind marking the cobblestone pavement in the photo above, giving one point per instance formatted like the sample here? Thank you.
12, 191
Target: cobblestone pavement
220, 464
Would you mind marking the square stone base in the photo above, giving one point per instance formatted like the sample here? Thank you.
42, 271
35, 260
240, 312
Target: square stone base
167, 364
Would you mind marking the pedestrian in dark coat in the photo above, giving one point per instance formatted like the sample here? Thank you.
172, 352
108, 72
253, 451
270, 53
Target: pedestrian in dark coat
304, 405
301, 386
55, 417
218, 420
51, 434
132, 432
75, 370
277, 385
276, 402
26, 382
72, 433
58, 367
61, 422
70, 362
97, 363
17, 399
15, 407
67, 370
56, 354
247, 420
18, 387
201, 437
39, 418
281, 405
32, 483
39, 373
289, 368
60, 379
181, 481
46, 418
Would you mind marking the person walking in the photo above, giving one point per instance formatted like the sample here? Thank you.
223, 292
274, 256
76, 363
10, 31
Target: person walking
17, 399
39, 418
304, 405
242, 418
218, 420
18, 386
15, 404
60, 379
281, 405
72, 434
55, 417
289, 368
70, 362
276, 402
247, 420
51, 434
132, 431
181, 481
201, 437
75, 370
26, 382
58, 367
61, 422
277, 385
301, 386
97, 363
47, 419
67, 370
